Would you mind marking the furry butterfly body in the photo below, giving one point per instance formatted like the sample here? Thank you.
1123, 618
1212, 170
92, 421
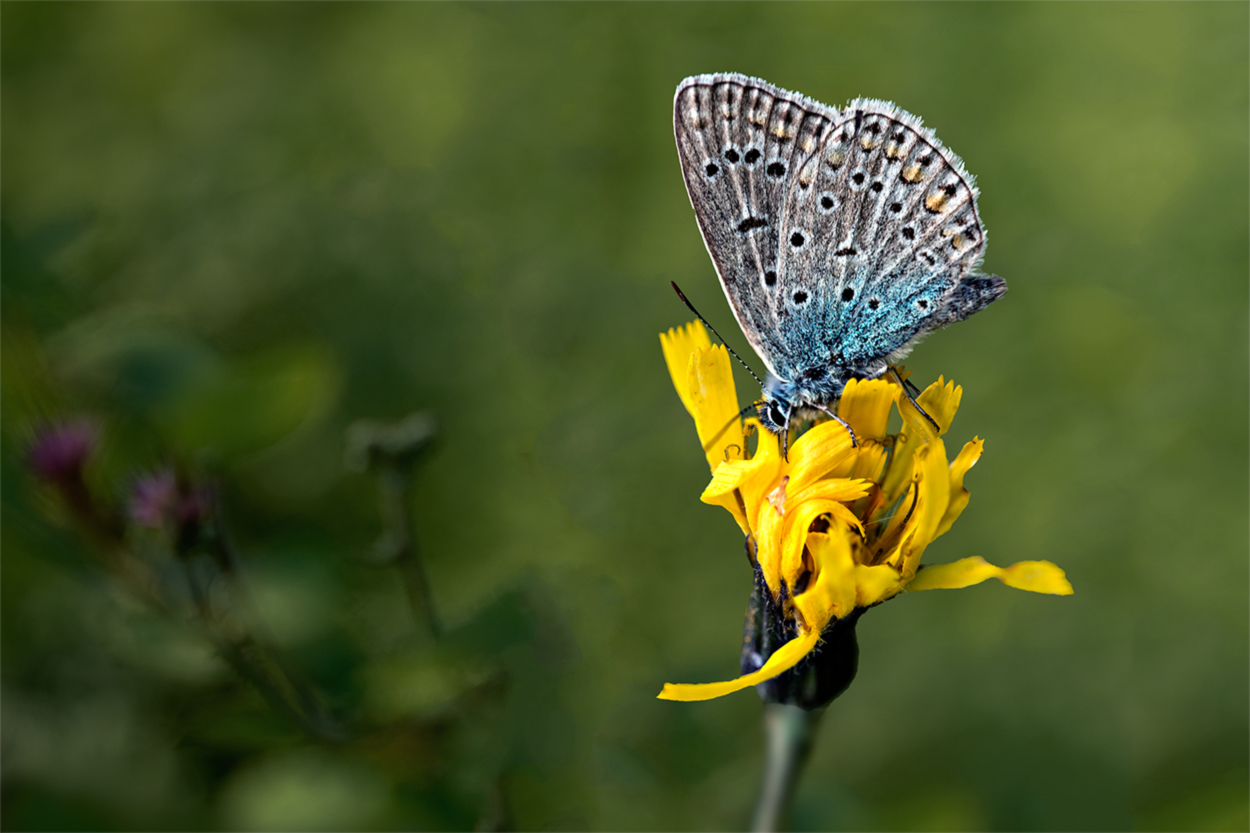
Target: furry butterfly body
841, 237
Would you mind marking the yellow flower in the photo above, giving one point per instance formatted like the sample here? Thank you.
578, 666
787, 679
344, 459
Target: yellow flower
834, 528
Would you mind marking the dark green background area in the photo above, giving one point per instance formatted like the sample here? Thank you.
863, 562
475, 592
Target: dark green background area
229, 230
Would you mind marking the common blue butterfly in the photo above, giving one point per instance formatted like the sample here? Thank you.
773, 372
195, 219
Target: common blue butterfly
841, 238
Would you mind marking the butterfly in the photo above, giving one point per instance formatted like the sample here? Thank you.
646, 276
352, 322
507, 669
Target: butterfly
841, 237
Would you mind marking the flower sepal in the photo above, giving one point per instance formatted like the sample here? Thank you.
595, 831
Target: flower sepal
821, 676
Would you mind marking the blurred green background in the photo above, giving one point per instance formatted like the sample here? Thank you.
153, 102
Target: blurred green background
230, 230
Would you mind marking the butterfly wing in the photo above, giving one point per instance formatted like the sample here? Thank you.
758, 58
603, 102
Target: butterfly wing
740, 141
881, 238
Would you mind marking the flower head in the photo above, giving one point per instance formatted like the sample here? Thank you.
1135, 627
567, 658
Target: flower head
163, 500
834, 527
59, 451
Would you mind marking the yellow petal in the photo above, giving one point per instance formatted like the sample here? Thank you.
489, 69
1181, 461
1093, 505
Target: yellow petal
797, 523
714, 405
831, 594
959, 495
730, 475
869, 461
940, 400
783, 659
732, 503
677, 345
876, 584
866, 406
766, 476
932, 483
1034, 576
842, 489
817, 452
770, 528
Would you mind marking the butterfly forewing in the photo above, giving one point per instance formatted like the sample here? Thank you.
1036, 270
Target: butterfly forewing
742, 144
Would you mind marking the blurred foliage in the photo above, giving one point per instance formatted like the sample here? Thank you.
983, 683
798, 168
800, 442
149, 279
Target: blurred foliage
231, 230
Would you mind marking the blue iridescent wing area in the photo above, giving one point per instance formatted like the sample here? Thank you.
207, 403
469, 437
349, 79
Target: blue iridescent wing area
740, 141
880, 229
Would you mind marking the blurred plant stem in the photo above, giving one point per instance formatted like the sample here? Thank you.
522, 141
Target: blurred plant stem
394, 489
246, 647
789, 731
391, 451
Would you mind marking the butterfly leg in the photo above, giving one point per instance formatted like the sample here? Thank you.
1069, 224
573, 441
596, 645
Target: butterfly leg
907, 383
843, 423
785, 437
912, 399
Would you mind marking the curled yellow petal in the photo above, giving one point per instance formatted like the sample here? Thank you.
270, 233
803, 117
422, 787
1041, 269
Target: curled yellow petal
799, 521
831, 594
1034, 576
677, 344
959, 495
783, 659
920, 512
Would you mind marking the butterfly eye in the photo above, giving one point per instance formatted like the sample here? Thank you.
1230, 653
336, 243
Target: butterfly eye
775, 414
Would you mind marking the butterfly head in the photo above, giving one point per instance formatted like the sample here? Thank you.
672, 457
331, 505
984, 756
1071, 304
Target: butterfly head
777, 404
774, 413
810, 393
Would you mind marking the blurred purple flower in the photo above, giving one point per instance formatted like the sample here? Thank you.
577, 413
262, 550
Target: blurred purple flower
163, 499
151, 498
60, 450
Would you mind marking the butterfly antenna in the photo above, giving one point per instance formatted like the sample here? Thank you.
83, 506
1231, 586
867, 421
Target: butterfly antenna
686, 301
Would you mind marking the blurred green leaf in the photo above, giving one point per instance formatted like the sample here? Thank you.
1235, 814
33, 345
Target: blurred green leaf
252, 403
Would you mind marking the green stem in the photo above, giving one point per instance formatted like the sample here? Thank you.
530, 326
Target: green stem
789, 731
393, 487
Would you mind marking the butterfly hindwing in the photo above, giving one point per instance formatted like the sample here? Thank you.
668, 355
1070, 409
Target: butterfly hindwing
741, 142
